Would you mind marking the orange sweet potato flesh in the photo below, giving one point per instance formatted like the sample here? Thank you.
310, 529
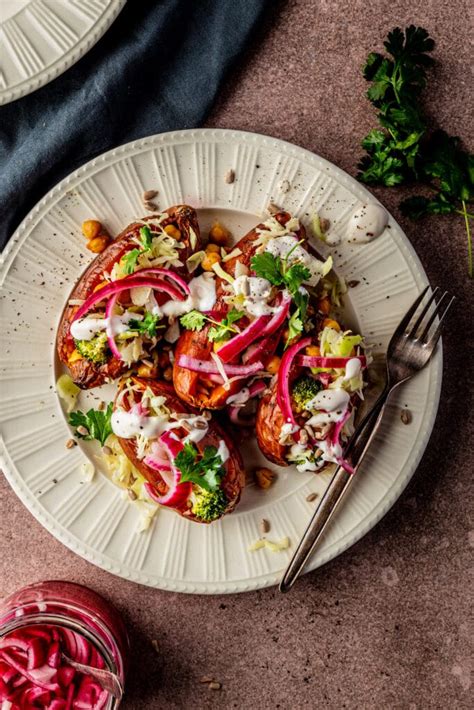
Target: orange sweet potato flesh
87, 374
269, 423
191, 386
234, 479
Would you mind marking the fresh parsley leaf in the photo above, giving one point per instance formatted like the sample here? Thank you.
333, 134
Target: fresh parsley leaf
194, 320
97, 423
295, 276
223, 330
268, 267
130, 260
148, 325
205, 470
295, 327
404, 152
146, 238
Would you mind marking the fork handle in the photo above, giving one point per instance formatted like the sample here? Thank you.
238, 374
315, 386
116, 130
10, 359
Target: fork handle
339, 484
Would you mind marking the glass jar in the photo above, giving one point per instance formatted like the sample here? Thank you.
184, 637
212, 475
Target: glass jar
74, 607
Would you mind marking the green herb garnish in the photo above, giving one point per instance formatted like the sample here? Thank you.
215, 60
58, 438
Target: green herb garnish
277, 271
130, 259
148, 325
205, 470
221, 330
402, 151
97, 423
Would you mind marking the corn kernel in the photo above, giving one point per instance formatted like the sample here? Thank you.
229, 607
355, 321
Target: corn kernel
74, 356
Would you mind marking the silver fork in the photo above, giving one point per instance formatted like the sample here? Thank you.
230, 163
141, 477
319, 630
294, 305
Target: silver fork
408, 352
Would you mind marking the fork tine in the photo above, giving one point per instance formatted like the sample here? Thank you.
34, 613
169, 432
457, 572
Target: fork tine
436, 310
435, 337
407, 317
419, 320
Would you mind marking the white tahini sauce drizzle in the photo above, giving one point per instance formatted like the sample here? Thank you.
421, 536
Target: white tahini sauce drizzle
353, 368
129, 424
223, 451
367, 222
257, 292
86, 328
281, 246
330, 400
201, 298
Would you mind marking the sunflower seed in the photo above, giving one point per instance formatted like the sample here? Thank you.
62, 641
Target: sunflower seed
405, 416
264, 526
82, 430
107, 450
230, 177
311, 497
131, 494
155, 645
101, 405
353, 283
272, 208
70, 444
149, 195
151, 206
215, 685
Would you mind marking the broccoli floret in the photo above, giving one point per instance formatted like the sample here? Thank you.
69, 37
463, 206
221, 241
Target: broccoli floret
209, 505
303, 391
95, 350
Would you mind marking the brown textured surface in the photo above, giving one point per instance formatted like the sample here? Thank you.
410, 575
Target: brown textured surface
386, 625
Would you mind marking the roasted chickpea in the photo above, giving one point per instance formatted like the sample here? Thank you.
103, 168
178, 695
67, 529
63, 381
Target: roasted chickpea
209, 260
219, 235
147, 371
168, 374
213, 248
91, 228
324, 306
330, 323
98, 244
173, 232
264, 477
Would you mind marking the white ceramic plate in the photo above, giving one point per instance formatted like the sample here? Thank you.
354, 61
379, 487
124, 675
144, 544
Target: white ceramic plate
40, 39
46, 256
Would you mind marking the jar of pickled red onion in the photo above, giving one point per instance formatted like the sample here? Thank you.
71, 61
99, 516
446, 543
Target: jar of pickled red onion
62, 646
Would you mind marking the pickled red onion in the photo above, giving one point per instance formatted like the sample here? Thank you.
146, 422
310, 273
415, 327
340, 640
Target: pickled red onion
178, 492
192, 363
163, 272
240, 342
334, 362
283, 385
116, 287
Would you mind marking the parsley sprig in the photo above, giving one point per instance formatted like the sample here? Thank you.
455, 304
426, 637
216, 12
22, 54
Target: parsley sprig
403, 151
97, 423
291, 276
205, 470
131, 257
147, 326
221, 330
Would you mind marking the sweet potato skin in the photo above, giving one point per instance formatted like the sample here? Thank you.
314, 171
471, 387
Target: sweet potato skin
234, 479
269, 424
87, 374
196, 344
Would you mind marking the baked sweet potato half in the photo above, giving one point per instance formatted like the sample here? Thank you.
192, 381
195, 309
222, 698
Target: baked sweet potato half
158, 423
163, 241
209, 390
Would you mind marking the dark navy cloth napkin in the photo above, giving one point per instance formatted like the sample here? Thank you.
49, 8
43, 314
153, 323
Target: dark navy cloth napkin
158, 68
